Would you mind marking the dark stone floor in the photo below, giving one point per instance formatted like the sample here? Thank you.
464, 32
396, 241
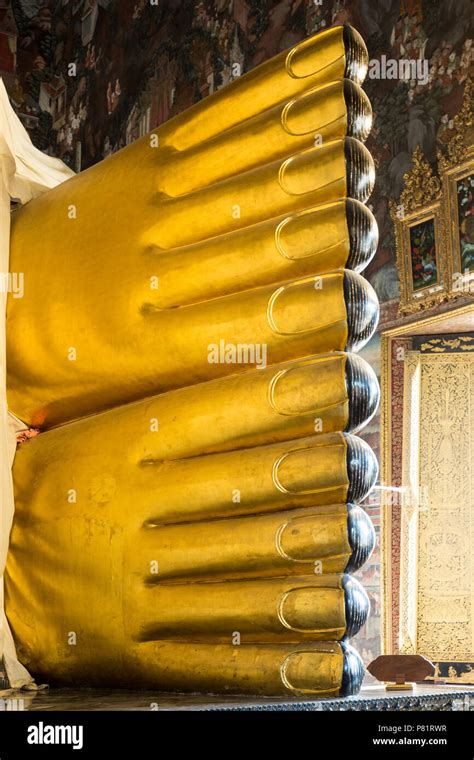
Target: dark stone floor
423, 697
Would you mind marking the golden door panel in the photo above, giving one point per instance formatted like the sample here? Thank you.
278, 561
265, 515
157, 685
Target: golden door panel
436, 588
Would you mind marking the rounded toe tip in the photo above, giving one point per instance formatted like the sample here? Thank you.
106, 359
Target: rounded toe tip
363, 392
362, 468
359, 111
357, 56
353, 671
363, 235
357, 605
360, 170
361, 534
363, 310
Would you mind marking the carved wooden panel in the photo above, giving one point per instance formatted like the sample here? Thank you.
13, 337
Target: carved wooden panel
437, 538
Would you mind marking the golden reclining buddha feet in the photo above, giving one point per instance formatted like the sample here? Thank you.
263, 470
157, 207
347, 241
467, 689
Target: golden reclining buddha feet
188, 515
132, 529
333, 539
332, 111
325, 469
100, 251
118, 555
311, 669
287, 247
328, 56
300, 608
336, 311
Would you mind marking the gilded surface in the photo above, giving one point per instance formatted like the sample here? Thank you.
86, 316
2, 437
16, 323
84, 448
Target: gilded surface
419, 201
181, 522
437, 543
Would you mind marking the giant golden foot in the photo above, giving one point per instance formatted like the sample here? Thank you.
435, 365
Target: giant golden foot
186, 520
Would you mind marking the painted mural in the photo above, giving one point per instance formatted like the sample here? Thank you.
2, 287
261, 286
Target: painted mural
90, 76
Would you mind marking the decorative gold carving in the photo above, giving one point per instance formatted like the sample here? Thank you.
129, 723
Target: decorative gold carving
461, 280
441, 345
422, 187
437, 589
388, 457
461, 143
455, 165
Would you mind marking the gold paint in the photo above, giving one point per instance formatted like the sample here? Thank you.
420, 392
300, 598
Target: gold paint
304, 245
450, 176
212, 522
300, 608
407, 329
441, 345
106, 307
437, 541
295, 542
309, 242
295, 462
420, 200
286, 301
327, 367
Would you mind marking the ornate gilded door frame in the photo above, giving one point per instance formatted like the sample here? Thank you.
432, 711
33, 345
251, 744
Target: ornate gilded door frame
395, 344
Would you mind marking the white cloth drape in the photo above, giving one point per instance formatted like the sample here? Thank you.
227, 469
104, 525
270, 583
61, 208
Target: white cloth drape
26, 172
